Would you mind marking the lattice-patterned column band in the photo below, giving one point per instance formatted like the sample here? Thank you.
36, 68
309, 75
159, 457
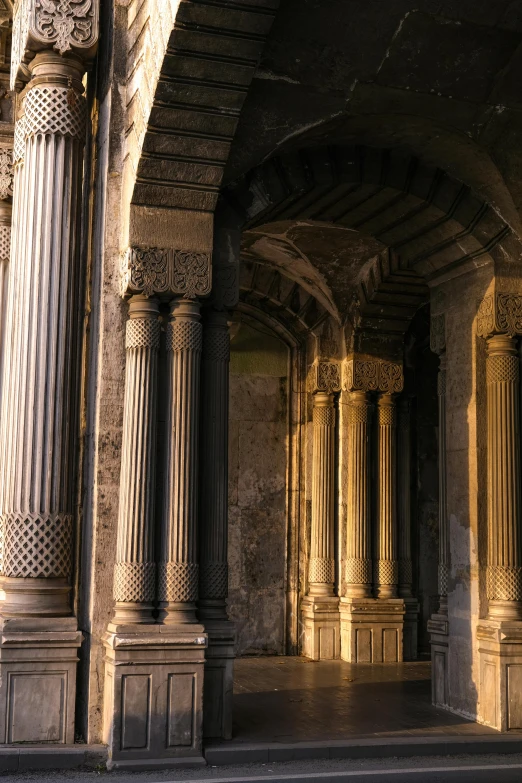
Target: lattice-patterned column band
178, 582
37, 546
216, 346
142, 333
184, 336
135, 582
322, 570
213, 581
443, 579
386, 572
54, 110
502, 369
358, 572
359, 413
504, 583
324, 417
405, 571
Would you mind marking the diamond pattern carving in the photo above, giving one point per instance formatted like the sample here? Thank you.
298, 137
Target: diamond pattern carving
214, 580
358, 571
184, 336
322, 571
5, 242
55, 110
142, 333
386, 572
37, 546
178, 582
504, 583
134, 582
502, 369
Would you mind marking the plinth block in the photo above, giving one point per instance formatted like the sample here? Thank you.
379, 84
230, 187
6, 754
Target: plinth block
500, 685
321, 623
372, 630
438, 628
219, 679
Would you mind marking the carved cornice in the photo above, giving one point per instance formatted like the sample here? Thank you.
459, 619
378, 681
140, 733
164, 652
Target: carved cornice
438, 333
324, 377
65, 25
500, 313
373, 375
154, 271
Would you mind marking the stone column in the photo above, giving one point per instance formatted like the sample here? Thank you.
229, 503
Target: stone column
500, 635
321, 607
179, 569
135, 569
386, 554
404, 530
6, 192
213, 526
40, 394
358, 563
504, 567
438, 625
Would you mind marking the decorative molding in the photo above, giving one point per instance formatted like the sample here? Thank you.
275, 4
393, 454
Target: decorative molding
500, 313
6, 173
154, 271
37, 546
65, 25
438, 333
54, 110
373, 375
324, 377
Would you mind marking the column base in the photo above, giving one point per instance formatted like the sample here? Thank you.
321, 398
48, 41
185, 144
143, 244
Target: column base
219, 679
38, 659
372, 630
411, 629
153, 694
500, 681
321, 623
438, 628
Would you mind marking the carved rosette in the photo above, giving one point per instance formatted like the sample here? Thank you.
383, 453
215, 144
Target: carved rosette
155, 271
500, 313
373, 375
64, 25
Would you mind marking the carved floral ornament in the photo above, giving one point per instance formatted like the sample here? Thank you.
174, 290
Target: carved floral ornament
373, 375
154, 271
324, 377
65, 25
500, 313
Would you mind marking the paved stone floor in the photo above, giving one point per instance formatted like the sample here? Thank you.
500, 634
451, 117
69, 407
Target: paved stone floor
284, 699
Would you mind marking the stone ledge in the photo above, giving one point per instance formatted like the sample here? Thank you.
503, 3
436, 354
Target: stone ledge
16, 758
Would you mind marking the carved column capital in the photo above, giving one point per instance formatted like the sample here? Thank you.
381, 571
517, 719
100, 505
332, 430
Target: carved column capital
500, 313
372, 375
324, 377
67, 26
154, 271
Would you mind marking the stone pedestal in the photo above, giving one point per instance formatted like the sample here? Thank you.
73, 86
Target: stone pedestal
154, 695
438, 628
500, 648
320, 615
411, 626
219, 679
372, 630
38, 682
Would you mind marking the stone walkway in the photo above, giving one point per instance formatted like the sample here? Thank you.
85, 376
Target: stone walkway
284, 699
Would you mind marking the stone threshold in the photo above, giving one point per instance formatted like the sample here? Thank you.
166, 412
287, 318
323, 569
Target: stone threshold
362, 748
22, 758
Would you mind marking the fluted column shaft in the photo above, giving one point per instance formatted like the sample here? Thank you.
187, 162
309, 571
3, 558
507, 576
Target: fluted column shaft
135, 568
358, 562
213, 514
40, 393
178, 570
386, 565
443, 513
504, 568
404, 499
322, 565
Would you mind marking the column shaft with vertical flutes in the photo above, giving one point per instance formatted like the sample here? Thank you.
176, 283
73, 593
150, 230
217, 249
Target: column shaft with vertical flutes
443, 573
178, 570
386, 562
135, 569
504, 567
358, 562
322, 564
404, 499
214, 467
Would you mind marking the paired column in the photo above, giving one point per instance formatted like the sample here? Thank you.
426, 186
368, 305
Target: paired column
322, 564
386, 561
504, 568
178, 569
358, 563
135, 569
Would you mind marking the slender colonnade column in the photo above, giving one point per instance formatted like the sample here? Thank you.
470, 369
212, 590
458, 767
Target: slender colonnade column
443, 572
404, 499
322, 564
386, 562
135, 568
358, 563
504, 568
178, 568
213, 586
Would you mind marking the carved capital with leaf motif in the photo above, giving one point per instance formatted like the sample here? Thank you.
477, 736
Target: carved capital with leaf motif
63, 25
155, 271
500, 313
324, 377
372, 375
